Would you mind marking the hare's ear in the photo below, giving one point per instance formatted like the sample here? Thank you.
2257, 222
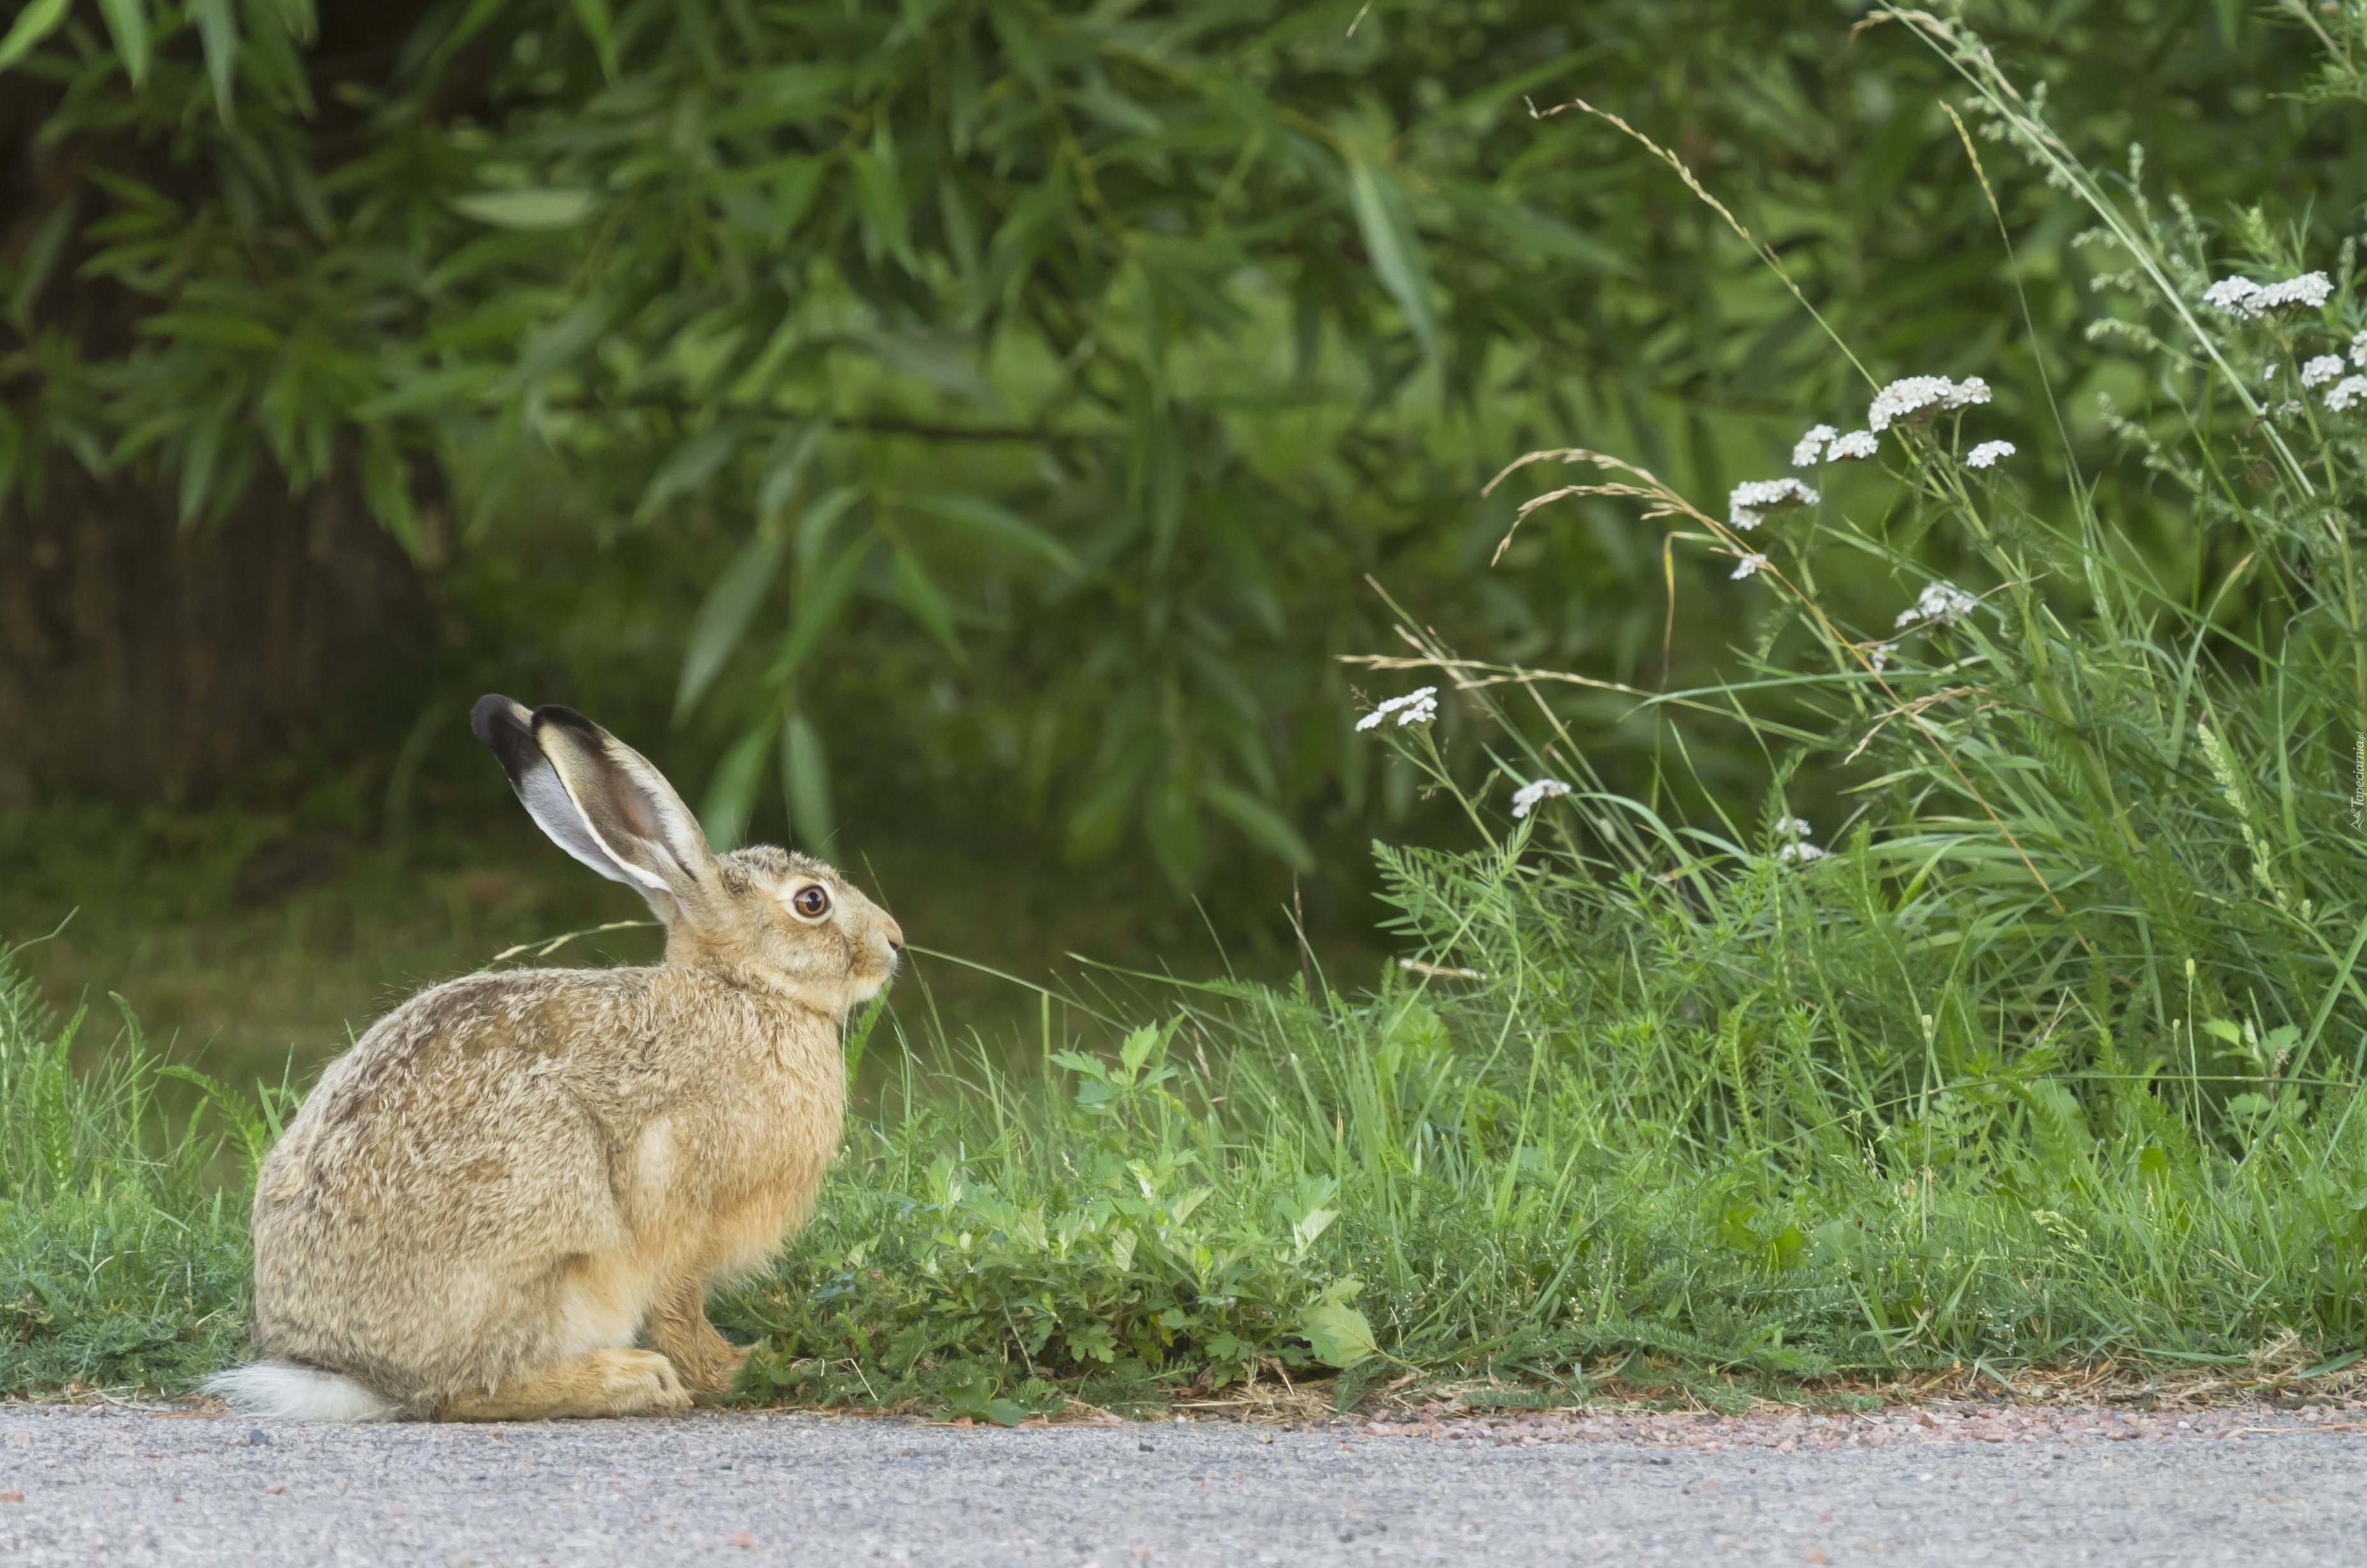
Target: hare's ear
599, 799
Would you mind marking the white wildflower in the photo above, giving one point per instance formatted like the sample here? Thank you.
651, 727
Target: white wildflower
1799, 852
1942, 602
2233, 296
2322, 369
1749, 505
1795, 830
1414, 708
2247, 300
1528, 795
1748, 566
1856, 444
1880, 655
1987, 453
2346, 392
2310, 291
1810, 447
2288, 409
1922, 394
2358, 350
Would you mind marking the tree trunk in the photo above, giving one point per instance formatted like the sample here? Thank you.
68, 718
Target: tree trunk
140, 660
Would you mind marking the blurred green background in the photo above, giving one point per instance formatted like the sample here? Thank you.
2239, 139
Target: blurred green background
961, 437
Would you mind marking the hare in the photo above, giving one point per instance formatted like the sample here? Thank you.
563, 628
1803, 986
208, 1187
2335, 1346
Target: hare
514, 1178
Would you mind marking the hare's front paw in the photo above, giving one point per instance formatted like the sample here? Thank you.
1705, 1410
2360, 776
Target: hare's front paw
723, 1372
640, 1382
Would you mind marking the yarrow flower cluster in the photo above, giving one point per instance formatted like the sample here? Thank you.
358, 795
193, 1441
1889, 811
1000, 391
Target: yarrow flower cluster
1528, 795
1749, 505
1810, 447
1749, 566
2322, 369
1942, 602
2247, 300
2358, 350
1413, 708
1880, 655
2346, 392
1795, 832
1857, 444
1924, 394
1987, 454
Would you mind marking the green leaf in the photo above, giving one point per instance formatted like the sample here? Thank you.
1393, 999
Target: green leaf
879, 196
386, 489
1309, 1227
1396, 248
127, 24
805, 781
601, 28
53, 1112
211, 328
942, 359
975, 1397
819, 598
562, 342
218, 29
858, 1033
1091, 1341
460, 386
1341, 1335
473, 22
993, 521
552, 207
781, 481
34, 23
300, 19
724, 619
1170, 818
731, 793
41, 257
1267, 827
691, 465
924, 600
199, 457
253, 1137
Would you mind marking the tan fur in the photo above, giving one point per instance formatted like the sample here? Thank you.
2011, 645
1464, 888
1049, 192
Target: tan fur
513, 1177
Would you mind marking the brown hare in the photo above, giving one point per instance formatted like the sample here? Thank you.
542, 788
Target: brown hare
516, 1178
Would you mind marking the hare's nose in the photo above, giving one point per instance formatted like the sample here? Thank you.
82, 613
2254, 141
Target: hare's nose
895, 935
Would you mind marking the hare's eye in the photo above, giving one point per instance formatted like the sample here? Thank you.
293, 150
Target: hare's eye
812, 903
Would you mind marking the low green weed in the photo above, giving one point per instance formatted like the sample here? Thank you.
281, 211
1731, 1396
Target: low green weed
123, 1253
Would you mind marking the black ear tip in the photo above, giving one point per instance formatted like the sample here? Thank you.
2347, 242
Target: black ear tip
496, 719
560, 713
567, 719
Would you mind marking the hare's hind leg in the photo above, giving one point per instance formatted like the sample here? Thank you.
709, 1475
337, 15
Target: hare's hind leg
708, 1362
605, 1383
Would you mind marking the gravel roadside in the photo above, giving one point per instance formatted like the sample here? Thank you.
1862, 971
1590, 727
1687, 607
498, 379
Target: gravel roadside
1962, 1484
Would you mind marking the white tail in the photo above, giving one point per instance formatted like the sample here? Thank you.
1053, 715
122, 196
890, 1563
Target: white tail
279, 1392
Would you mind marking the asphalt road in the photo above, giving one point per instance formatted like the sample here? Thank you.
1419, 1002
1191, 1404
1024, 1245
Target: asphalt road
140, 1487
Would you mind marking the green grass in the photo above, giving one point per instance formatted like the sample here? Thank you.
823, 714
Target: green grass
123, 1254
2056, 1056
